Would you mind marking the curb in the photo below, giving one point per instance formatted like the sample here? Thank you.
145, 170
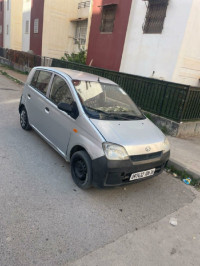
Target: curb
11, 77
179, 166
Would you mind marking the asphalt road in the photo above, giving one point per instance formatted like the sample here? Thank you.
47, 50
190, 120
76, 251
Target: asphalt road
45, 219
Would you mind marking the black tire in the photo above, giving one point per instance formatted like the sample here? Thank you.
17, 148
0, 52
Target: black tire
24, 119
81, 169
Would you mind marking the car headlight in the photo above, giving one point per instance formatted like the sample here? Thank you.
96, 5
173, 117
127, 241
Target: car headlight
114, 151
166, 145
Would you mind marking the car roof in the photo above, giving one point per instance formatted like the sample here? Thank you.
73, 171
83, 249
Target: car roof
78, 75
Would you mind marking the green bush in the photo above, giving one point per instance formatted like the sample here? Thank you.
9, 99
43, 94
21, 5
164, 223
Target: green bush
76, 58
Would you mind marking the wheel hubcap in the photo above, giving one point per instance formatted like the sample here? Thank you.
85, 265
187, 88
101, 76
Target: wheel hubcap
80, 169
23, 118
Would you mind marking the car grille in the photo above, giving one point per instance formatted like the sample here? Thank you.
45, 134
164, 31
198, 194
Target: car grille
145, 157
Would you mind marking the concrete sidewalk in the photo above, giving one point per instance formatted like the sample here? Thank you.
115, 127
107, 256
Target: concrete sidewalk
185, 153
14, 74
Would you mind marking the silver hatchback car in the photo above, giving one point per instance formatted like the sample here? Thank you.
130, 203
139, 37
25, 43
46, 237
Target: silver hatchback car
94, 125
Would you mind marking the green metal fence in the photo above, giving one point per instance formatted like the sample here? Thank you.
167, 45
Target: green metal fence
175, 101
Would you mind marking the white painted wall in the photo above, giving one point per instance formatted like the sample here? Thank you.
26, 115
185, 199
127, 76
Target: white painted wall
188, 66
7, 21
145, 53
26, 17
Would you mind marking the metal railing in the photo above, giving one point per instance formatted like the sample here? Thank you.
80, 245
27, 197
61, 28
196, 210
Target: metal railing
84, 4
174, 101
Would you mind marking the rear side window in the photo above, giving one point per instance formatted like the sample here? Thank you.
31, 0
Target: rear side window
60, 92
41, 80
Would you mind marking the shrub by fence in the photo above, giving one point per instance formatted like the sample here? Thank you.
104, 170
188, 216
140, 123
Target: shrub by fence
174, 101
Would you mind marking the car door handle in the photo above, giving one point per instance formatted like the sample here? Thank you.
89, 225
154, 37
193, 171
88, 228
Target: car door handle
29, 96
46, 110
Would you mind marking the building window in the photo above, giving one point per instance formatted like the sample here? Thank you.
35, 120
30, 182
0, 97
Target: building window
36, 25
108, 18
7, 29
1, 29
27, 27
155, 16
81, 31
8, 4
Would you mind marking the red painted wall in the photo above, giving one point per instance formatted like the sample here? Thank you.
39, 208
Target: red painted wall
105, 49
37, 10
1, 21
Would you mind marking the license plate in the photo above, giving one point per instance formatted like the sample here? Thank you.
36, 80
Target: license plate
142, 174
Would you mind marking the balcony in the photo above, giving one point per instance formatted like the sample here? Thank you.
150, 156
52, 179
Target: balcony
83, 9
83, 4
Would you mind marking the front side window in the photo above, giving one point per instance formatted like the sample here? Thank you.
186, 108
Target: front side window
106, 101
41, 81
155, 16
108, 18
60, 92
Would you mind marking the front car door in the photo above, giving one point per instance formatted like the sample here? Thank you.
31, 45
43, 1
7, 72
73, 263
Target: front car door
58, 123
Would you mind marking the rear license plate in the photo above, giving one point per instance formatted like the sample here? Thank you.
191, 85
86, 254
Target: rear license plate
142, 174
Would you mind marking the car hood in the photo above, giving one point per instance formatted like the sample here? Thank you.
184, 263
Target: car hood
137, 136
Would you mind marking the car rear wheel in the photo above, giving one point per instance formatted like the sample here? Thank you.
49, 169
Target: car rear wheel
81, 169
24, 119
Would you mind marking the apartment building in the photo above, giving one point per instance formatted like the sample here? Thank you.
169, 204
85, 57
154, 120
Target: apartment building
152, 38
1, 22
48, 28
65, 27
12, 24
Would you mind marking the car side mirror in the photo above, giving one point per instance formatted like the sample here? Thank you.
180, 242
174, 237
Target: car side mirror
65, 107
70, 109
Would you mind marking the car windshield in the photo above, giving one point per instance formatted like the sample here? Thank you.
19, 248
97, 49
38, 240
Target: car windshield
106, 101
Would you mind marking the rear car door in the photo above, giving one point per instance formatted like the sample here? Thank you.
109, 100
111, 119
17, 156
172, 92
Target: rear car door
36, 99
59, 124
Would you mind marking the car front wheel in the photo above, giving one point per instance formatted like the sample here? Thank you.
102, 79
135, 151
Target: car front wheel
81, 169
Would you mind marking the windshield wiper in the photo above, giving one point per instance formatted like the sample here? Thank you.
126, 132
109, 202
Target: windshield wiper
117, 116
96, 110
135, 117
107, 114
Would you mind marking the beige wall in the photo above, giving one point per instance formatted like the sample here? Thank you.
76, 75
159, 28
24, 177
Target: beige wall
187, 70
58, 30
16, 25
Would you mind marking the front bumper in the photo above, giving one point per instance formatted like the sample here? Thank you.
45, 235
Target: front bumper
115, 173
